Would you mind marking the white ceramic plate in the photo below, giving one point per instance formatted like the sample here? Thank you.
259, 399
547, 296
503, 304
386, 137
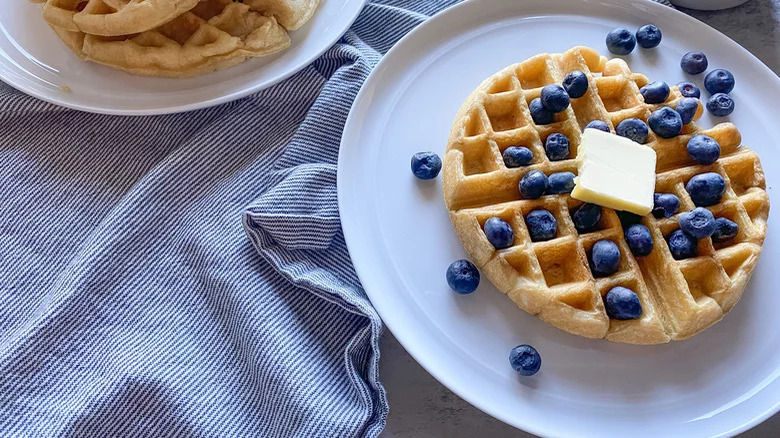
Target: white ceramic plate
718, 383
35, 61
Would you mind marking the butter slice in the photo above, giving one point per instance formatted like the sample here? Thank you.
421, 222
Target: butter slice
615, 172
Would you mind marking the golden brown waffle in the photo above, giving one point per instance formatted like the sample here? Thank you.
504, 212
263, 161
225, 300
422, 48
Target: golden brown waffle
552, 279
292, 14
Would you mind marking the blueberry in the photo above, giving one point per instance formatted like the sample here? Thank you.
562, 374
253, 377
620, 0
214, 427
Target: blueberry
622, 303
586, 217
557, 147
516, 156
525, 360
463, 277
426, 165
633, 129
698, 223
719, 81
693, 62
648, 36
540, 115
687, 107
554, 98
689, 89
639, 240
720, 105
665, 122
703, 149
499, 233
597, 124
533, 184
620, 41
706, 189
541, 225
725, 229
655, 92
561, 182
681, 245
665, 205
575, 84
627, 218
604, 258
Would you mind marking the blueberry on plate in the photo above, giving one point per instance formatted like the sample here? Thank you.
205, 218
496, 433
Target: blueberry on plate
633, 129
648, 36
540, 115
720, 105
499, 233
621, 41
561, 182
426, 165
639, 240
597, 124
682, 246
575, 83
525, 360
622, 303
706, 189
655, 92
586, 217
694, 62
689, 89
463, 276
516, 156
698, 223
557, 147
542, 225
627, 218
686, 108
665, 122
554, 98
665, 204
604, 258
719, 81
725, 229
703, 149
533, 184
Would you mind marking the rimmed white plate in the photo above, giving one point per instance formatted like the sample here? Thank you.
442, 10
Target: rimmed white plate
718, 383
35, 61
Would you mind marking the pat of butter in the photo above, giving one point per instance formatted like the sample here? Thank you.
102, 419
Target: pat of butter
615, 172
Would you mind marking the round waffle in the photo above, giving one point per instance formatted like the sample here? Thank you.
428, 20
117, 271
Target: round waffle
552, 279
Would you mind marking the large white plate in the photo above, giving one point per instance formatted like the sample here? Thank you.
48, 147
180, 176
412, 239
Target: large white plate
718, 383
35, 61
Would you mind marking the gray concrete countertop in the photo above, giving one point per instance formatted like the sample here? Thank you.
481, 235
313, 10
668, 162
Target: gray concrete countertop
421, 407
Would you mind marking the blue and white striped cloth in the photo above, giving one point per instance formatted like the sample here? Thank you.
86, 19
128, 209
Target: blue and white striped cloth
132, 303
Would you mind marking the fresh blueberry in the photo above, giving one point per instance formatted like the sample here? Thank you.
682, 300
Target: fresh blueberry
693, 62
682, 246
533, 184
725, 229
706, 189
633, 129
554, 98
541, 225
557, 147
648, 36
586, 217
426, 165
575, 84
689, 89
516, 156
499, 233
621, 41
561, 182
463, 277
540, 115
665, 122
655, 92
687, 107
719, 81
604, 258
665, 205
698, 223
720, 105
627, 218
703, 149
525, 360
639, 240
622, 303
597, 124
